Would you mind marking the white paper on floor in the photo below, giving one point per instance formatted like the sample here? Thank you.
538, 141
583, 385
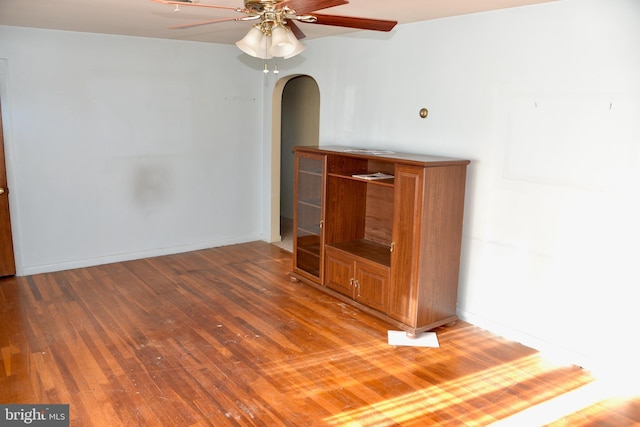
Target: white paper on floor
424, 339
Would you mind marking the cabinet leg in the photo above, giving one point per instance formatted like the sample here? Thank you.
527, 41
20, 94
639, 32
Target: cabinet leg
293, 279
411, 335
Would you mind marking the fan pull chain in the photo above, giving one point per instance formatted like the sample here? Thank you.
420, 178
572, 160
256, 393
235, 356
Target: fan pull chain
266, 49
266, 68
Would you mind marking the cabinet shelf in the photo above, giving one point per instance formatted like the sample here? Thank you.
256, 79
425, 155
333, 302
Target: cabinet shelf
312, 172
366, 249
308, 229
313, 203
385, 182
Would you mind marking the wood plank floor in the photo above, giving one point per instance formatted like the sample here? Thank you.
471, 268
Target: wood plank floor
222, 337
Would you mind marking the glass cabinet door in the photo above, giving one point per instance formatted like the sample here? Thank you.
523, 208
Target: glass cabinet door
309, 214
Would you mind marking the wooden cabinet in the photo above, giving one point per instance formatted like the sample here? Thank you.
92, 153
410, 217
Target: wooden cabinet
388, 246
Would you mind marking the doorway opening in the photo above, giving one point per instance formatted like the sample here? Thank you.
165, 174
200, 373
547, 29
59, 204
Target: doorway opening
296, 121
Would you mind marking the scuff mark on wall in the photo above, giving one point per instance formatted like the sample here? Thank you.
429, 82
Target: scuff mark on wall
151, 184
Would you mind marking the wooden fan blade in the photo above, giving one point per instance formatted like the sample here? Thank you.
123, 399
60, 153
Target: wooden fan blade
296, 30
183, 3
197, 24
306, 6
353, 22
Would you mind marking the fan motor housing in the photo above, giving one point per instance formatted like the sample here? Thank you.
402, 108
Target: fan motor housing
259, 5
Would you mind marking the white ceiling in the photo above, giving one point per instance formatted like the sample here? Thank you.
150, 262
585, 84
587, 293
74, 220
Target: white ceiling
148, 19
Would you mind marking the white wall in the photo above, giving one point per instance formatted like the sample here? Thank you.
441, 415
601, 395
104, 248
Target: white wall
544, 100
122, 147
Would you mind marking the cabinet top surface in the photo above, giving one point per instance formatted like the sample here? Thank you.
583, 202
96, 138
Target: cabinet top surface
393, 156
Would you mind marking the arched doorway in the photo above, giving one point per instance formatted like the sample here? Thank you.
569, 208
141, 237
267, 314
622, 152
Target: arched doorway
295, 121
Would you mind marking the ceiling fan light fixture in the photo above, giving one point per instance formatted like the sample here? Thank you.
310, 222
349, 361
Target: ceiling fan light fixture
272, 36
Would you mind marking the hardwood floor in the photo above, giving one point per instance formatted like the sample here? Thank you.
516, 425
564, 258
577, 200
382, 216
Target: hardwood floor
223, 337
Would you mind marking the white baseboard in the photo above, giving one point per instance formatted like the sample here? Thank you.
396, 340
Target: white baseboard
130, 256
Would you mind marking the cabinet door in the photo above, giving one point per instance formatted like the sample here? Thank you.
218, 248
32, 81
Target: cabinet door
308, 215
408, 198
339, 272
371, 285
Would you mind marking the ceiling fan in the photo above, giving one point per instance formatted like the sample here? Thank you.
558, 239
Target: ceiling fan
276, 33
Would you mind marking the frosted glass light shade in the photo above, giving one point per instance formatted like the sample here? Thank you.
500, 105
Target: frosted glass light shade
263, 51
297, 46
280, 43
252, 42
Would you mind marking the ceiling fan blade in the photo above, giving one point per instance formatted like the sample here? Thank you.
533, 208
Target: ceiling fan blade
296, 30
186, 3
353, 22
197, 24
306, 6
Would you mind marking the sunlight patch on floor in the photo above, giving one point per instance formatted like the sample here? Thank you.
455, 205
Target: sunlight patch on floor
565, 405
490, 390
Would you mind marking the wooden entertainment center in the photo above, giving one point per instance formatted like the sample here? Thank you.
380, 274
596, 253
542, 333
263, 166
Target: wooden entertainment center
381, 230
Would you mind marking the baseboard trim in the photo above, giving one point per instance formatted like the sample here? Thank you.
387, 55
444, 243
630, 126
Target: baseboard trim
130, 256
